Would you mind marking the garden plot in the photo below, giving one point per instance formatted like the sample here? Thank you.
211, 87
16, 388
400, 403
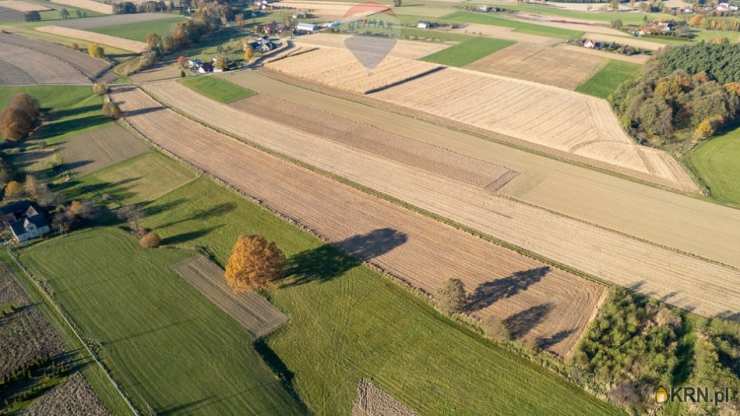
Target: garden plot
27, 66
373, 401
546, 65
506, 282
339, 68
100, 147
682, 279
23, 6
251, 310
90, 67
26, 337
95, 6
114, 20
375, 140
408, 49
106, 40
72, 398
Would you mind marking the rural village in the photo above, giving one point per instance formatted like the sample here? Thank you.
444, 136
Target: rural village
373, 208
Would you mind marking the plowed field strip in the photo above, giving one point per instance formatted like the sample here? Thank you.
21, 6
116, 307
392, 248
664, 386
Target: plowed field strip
684, 280
432, 252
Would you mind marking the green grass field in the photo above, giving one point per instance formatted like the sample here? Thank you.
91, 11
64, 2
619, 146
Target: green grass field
717, 163
164, 342
606, 81
139, 31
468, 51
518, 26
348, 322
217, 89
635, 18
143, 178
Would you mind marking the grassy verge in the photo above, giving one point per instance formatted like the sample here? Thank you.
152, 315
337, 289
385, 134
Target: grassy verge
166, 344
715, 162
468, 51
217, 89
518, 26
606, 81
348, 322
139, 31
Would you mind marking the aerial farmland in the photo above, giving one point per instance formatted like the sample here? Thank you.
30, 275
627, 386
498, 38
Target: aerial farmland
393, 208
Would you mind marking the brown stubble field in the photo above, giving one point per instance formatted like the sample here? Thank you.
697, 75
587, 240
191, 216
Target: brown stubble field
533, 113
547, 65
665, 218
99, 38
507, 284
683, 279
407, 49
27, 66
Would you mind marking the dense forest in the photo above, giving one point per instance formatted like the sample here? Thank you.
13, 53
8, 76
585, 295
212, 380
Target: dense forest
685, 95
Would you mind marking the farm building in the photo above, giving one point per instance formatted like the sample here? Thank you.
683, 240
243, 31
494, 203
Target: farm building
25, 220
265, 44
303, 27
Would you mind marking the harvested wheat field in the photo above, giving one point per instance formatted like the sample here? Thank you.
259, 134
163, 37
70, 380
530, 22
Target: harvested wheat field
89, 66
373, 401
375, 140
431, 252
95, 6
500, 32
666, 218
339, 68
23, 6
569, 24
634, 59
546, 65
684, 280
27, 66
625, 40
251, 310
407, 49
531, 112
72, 398
105, 40
334, 9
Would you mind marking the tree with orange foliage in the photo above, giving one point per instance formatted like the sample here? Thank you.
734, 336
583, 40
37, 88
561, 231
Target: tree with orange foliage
254, 262
13, 189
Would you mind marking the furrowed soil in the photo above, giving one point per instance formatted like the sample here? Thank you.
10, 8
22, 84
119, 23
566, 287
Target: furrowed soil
408, 49
105, 40
27, 66
73, 398
418, 250
95, 6
684, 280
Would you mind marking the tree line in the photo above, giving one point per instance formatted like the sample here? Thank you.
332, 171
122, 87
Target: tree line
684, 96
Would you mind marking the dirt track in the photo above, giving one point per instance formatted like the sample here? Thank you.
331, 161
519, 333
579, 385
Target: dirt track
681, 279
507, 283
547, 65
90, 67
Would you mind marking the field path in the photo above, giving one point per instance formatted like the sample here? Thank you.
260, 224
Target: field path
680, 279
505, 282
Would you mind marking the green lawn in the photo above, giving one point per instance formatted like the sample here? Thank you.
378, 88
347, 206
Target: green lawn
717, 163
518, 26
348, 322
708, 35
609, 78
468, 51
165, 343
217, 89
139, 31
630, 18
140, 179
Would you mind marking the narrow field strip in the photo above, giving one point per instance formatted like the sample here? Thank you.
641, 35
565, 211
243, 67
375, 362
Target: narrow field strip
107, 40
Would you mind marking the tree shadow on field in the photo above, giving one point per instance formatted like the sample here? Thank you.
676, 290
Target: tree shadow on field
522, 322
544, 343
189, 236
488, 293
331, 260
185, 408
197, 215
